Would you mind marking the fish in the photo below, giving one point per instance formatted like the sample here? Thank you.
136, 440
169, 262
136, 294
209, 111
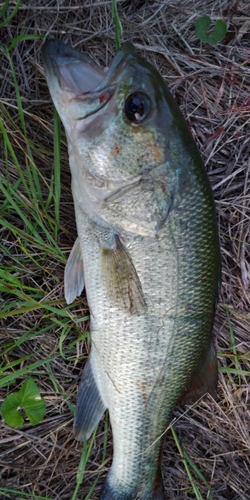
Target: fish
147, 253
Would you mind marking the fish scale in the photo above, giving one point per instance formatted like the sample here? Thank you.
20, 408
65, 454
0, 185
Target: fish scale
147, 251
126, 352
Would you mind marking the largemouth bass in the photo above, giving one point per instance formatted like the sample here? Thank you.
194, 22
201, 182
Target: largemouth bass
147, 251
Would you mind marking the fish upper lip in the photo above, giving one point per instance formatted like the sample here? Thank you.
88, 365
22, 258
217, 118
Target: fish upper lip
58, 56
54, 48
66, 64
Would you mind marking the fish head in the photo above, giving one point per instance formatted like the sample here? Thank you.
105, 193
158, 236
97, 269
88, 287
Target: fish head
117, 122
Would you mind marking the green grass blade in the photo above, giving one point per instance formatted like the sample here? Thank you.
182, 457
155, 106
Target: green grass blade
9, 379
37, 240
4, 8
22, 38
235, 371
20, 495
196, 490
36, 195
198, 473
13, 13
9, 196
82, 464
8, 149
118, 24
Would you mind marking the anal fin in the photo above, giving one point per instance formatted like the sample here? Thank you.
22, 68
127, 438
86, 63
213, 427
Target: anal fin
89, 406
73, 274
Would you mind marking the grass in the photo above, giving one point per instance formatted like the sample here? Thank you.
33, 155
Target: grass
30, 214
190, 467
8, 493
43, 337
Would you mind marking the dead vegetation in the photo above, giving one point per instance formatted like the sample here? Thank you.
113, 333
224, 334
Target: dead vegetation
212, 86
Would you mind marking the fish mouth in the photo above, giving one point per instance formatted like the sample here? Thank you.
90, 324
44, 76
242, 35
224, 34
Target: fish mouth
73, 69
72, 76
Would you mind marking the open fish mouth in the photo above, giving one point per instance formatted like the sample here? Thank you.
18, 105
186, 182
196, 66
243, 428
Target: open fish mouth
75, 72
71, 75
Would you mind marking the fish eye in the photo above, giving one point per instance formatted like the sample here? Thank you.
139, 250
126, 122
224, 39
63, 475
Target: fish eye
137, 107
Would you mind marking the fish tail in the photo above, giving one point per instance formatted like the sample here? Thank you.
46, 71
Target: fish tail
158, 489
111, 492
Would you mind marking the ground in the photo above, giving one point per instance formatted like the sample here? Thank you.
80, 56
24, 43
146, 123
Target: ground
207, 455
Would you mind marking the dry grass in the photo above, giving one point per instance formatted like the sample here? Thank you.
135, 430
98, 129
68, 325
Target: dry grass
212, 86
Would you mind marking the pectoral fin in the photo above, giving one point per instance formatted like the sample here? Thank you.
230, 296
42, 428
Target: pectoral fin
73, 274
121, 275
205, 379
89, 406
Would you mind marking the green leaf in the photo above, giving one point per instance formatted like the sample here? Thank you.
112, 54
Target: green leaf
201, 26
10, 410
27, 399
216, 35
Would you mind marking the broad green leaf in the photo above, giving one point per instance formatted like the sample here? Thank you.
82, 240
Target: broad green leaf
201, 26
28, 400
10, 410
216, 35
